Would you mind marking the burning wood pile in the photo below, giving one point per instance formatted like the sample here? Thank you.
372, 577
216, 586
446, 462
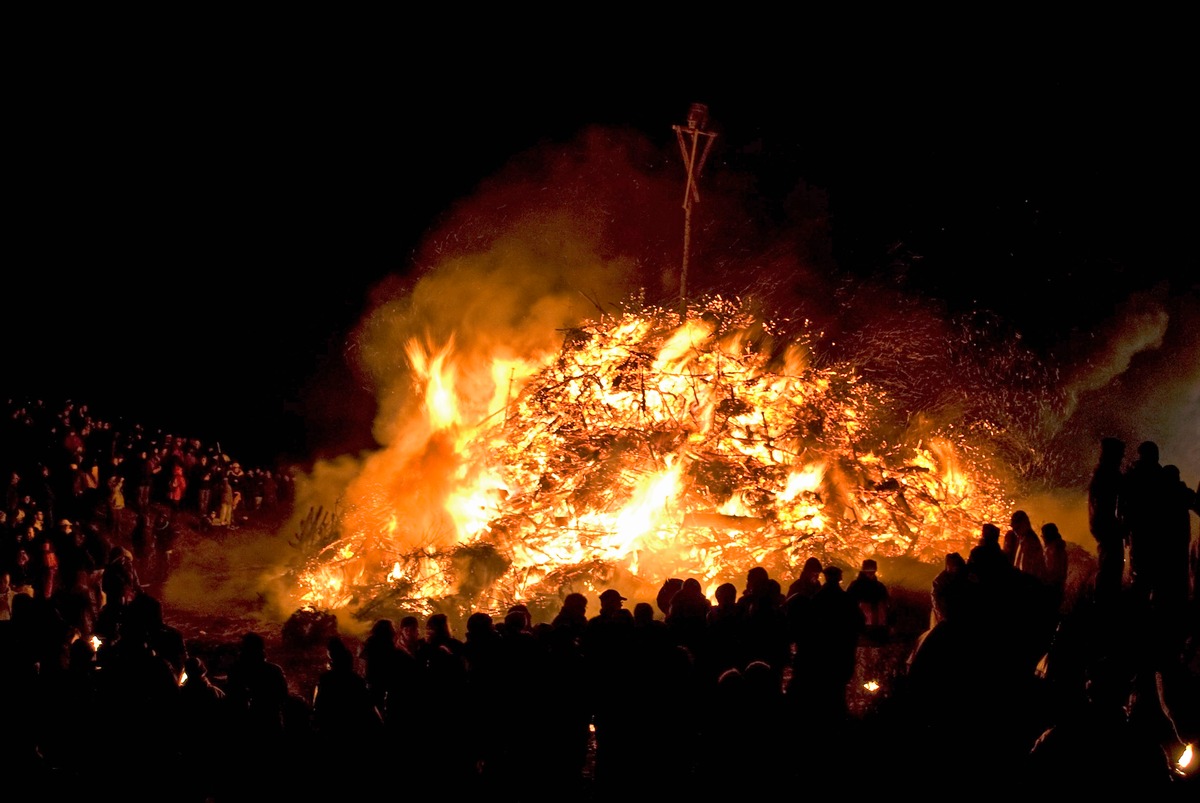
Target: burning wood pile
654, 445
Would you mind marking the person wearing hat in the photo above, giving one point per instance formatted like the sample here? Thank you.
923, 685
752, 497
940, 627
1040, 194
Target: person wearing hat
611, 600
606, 645
607, 634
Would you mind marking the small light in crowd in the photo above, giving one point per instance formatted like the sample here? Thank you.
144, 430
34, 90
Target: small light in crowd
182, 678
96, 642
1185, 760
871, 686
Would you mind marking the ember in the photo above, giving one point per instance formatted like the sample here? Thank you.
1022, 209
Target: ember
650, 446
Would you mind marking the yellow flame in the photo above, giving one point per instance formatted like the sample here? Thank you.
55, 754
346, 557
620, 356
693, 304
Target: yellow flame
681, 346
649, 503
807, 479
472, 508
440, 401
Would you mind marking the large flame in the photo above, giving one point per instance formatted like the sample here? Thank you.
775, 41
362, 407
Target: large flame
650, 446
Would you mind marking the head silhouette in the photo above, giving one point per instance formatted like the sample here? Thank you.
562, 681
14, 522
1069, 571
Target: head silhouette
756, 578
479, 624
1112, 450
384, 629
726, 594
643, 613
253, 646
340, 656
438, 626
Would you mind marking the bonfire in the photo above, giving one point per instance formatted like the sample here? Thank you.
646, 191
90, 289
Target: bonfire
655, 443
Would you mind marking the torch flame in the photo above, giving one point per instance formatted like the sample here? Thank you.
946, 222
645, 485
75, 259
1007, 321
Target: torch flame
1185, 759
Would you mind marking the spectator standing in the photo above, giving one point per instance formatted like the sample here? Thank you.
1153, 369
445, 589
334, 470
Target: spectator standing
270, 492
951, 592
1105, 522
176, 489
838, 623
13, 494
871, 596
258, 694
145, 470
1057, 567
115, 506
346, 723
1023, 543
1144, 506
225, 503
200, 485
379, 654
1181, 502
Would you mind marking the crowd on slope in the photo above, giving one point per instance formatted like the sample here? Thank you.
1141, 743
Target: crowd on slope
1017, 686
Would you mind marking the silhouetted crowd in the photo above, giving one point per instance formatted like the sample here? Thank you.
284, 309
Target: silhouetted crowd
1021, 684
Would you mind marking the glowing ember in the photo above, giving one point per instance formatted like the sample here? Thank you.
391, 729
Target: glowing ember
650, 446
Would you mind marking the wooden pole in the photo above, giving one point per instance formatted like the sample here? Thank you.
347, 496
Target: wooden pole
693, 159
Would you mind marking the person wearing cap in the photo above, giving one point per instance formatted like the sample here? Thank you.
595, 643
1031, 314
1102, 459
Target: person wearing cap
606, 645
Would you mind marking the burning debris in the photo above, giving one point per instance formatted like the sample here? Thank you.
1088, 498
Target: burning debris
652, 445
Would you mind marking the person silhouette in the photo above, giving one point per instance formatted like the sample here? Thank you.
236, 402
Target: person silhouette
1173, 573
1057, 568
1022, 542
346, 722
1143, 503
837, 624
1095, 751
257, 689
379, 655
950, 592
1105, 522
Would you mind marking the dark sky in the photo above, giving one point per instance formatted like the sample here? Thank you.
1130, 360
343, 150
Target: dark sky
193, 237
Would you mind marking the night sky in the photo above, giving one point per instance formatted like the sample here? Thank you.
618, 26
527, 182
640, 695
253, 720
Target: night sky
195, 237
